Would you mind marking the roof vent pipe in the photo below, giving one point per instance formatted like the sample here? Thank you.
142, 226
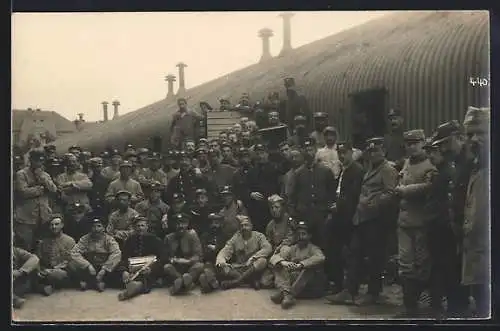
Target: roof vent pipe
265, 34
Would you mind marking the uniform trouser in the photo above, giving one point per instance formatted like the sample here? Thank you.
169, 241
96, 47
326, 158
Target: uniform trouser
174, 271
237, 270
112, 279
340, 235
443, 250
26, 235
367, 240
414, 263
457, 294
22, 285
300, 284
57, 278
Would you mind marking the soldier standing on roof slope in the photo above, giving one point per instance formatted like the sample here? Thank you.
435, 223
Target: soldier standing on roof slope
185, 124
295, 104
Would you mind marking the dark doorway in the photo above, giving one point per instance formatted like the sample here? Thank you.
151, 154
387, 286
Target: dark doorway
368, 115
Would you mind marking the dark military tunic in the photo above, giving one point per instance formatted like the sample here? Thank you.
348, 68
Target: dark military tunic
187, 184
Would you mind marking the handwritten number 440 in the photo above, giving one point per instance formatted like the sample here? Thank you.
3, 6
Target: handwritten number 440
474, 81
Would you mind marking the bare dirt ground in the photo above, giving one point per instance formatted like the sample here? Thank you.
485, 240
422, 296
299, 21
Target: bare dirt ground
237, 304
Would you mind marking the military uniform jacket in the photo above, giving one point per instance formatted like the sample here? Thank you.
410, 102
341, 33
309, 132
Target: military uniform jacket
24, 260
186, 183
264, 178
110, 174
416, 183
55, 253
440, 194
220, 176
310, 256
188, 246
230, 224
476, 229
99, 186
313, 188
350, 189
238, 250
395, 147
210, 238
199, 218
130, 185
463, 169
280, 233
329, 158
319, 138
121, 222
142, 245
184, 125
376, 192
33, 206
101, 252
148, 176
82, 185
241, 186
153, 211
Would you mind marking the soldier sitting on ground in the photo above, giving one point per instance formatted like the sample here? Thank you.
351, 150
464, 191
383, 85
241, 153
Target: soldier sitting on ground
120, 221
244, 257
95, 257
145, 246
212, 242
185, 265
125, 183
24, 266
153, 208
54, 252
298, 271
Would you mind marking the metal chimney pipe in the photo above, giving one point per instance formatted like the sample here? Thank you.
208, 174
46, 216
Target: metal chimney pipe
105, 110
170, 79
265, 34
182, 81
115, 104
287, 32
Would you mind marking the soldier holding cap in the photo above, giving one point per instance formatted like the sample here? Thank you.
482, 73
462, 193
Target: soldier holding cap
112, 171
369, 228
73, 184
185, 249
320, 122
413, 191
248, 251
24, 266
213, 240
299, 270
312, 195
54, 252
33, 186
153, 208
95, 257
477, 224
125, 183
393, 141
141, 243
121, 220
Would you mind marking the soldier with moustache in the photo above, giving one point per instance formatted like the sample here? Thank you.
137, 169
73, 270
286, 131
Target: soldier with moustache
413, 191
154, 172
53, 166
121, 220
456, 151
33, 187
171, 165
141, 243
227, 155
313, 193
153, 208
296, 161
220, 174
476, 245
263, 181
320, 122
339, 227
178, 205
202, 160
369, 230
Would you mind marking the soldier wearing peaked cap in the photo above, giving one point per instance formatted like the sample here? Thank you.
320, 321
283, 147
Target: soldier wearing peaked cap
231, 207
279, 230
393, 140
95, 257
35, 187
299, 270
153, 173
99, 187
185, 265
299, 131
154, 208
327, 151
413, 191
121, 220
369, 231
200, 210
125, 183
112, 171
212, 241
320, 122
477, 224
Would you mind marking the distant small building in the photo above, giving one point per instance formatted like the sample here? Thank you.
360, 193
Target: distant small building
35, 123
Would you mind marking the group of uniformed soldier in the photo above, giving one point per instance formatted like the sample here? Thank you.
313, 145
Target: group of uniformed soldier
306, 216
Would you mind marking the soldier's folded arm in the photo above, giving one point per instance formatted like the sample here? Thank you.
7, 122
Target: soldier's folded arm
277, 258
390, 181
226, 252
77, 253
26, 191
83, 183
419, 189
114, 257
265, 248
315, 260
49, 183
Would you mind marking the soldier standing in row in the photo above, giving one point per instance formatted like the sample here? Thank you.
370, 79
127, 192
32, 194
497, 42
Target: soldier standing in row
320, 122
299, 131
112, 171
394, 141
327, 152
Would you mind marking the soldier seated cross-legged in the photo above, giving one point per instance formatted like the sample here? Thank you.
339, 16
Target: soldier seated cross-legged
244, 257
24, 268
212, 242
185, 251
54, 252
141, 263
95, 257
298, 271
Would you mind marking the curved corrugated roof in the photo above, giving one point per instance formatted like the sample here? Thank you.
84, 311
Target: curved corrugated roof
423, 59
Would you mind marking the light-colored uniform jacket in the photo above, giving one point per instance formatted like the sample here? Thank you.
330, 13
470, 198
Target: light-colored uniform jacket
82, 185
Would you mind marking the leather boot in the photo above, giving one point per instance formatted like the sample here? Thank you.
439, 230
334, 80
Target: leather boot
277, 297
214, 284
204, 285
176, 287
410, 298
187, 281
132, 289
288, 301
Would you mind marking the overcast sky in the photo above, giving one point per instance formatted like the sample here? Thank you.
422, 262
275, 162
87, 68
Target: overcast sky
70, 63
